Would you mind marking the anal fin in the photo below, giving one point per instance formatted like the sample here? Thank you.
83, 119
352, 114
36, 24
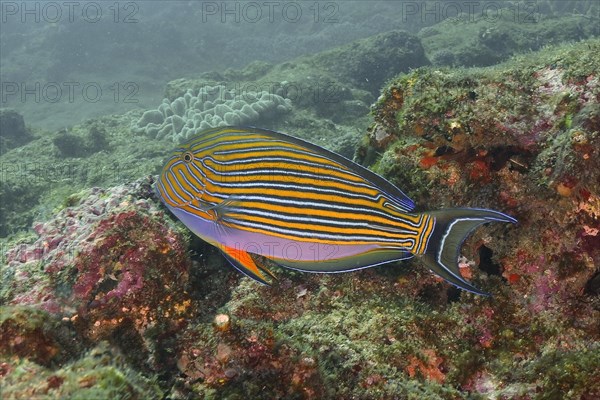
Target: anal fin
367, 259
246, 264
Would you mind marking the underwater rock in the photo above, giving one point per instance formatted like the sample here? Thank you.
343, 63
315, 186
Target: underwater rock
443, 57
111, 264
71, 145
211, 107
368, 63
101, 373
36, 335
477, 42
537, 117
522, 137
13, 132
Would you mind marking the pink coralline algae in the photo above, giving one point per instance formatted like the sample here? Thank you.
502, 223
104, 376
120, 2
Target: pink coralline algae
111, 260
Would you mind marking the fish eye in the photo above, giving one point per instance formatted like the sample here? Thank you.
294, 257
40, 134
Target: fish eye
187, 157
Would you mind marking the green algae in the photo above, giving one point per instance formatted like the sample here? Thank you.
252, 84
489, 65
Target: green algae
99, 374
565, 372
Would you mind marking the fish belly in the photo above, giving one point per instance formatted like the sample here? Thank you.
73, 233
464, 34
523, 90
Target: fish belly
278, 249
289, 251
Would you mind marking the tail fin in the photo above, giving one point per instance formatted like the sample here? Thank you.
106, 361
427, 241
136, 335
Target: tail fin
452, 227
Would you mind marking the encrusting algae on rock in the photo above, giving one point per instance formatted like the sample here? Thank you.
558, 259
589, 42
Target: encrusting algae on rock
523, 136
107, 266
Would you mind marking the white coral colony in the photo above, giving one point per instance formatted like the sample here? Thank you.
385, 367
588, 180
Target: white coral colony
211, 107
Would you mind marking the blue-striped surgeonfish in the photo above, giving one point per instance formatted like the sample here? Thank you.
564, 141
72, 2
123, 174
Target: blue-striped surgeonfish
253, 192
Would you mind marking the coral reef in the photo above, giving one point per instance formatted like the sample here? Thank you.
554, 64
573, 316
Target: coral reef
107, 297
330, 91
37, 177
521, 137
336, 84
106, 265
212, 106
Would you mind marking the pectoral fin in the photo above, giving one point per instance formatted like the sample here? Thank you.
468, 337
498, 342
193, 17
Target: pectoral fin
243, 262
223, 208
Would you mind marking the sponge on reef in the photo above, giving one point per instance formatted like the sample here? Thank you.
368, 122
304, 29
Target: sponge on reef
211, 107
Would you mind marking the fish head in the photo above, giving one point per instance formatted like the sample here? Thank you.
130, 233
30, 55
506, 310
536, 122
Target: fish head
182, 182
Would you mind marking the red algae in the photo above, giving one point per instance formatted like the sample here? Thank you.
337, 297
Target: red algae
428, 162
110, 264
